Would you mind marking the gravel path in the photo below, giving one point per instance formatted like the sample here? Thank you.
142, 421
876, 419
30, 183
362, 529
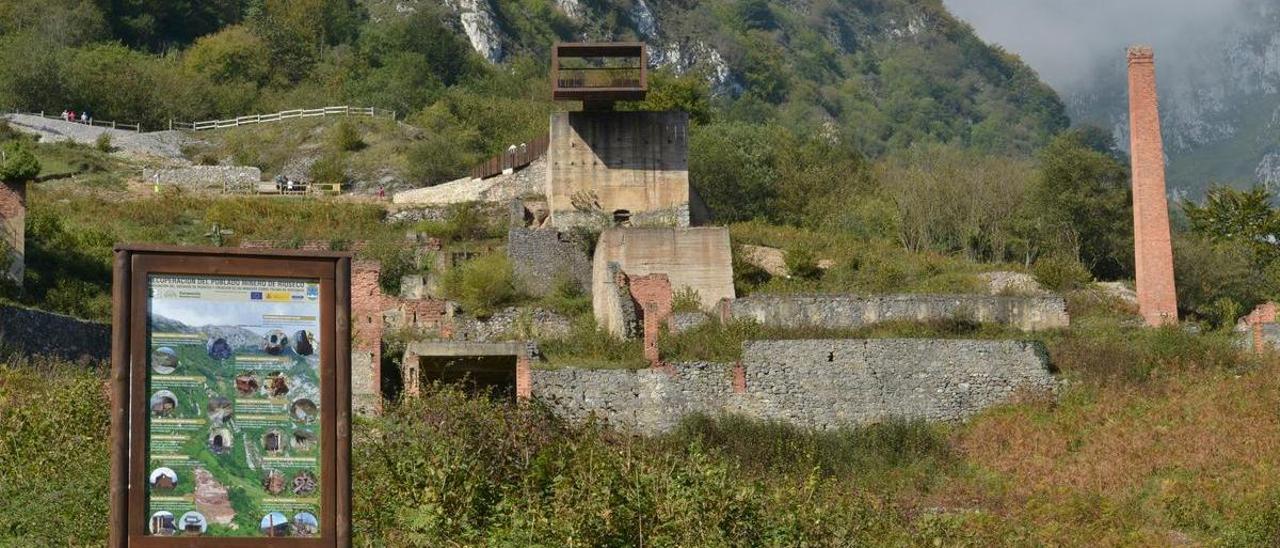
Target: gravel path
163, 144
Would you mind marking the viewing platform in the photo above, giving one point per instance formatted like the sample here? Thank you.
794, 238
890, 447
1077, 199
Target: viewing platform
598, 74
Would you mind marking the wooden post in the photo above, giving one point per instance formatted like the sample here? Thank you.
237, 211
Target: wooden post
118, 505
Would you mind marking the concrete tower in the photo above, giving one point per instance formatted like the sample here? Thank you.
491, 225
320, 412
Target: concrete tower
1153, 252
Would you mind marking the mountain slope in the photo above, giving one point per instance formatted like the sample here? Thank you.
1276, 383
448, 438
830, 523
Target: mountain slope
1220, 102
885, 73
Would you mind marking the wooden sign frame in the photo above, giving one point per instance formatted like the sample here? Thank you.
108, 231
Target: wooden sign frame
134, 264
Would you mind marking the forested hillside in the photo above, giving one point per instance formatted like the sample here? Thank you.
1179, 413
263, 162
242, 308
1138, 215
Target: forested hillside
876, 75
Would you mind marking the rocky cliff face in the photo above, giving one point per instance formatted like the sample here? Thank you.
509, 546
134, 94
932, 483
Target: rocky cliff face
1219, 99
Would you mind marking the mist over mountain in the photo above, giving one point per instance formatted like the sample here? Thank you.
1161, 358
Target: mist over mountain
1218, 65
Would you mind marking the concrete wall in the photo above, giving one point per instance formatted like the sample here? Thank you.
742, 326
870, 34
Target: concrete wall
697, 258
819, 384
544, 258
35, 332
853, 311
634, 161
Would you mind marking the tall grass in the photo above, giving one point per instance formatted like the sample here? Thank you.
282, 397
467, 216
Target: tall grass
1188, 457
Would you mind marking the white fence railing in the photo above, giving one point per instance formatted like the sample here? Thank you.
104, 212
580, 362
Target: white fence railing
137, 128
285, 115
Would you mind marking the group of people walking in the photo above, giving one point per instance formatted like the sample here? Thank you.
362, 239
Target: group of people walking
73, 116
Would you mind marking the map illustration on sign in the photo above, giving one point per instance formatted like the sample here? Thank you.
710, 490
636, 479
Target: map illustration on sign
233, 388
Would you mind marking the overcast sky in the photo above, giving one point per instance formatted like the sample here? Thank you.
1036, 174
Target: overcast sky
1064, 40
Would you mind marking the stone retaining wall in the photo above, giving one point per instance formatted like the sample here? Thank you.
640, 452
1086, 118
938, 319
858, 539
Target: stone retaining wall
853, 311
35, 332
544, 258
819, 384
205, 177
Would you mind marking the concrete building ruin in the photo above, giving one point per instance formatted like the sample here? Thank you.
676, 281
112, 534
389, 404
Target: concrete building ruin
1153, 250
608, 168
693, 259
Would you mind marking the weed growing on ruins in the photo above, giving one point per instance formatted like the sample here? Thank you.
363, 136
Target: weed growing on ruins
482, 285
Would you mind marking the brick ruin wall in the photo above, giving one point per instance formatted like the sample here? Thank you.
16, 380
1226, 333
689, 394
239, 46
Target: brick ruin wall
35, 332
853, 311
821, 384
13, 213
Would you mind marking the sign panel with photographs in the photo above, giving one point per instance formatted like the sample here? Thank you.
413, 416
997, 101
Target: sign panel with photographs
233, 446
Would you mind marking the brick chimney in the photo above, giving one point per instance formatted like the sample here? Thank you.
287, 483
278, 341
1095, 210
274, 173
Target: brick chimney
1153, 252
13, 219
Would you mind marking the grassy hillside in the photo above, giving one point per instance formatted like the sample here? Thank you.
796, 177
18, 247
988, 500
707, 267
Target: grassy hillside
1159, 437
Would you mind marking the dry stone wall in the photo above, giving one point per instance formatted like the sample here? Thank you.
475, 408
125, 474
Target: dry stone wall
543, 258
35, 332
205, 177
854, 311
820, 384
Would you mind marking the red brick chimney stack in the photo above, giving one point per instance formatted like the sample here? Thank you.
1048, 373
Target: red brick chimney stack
1153, 252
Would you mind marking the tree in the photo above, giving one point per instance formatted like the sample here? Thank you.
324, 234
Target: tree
732, 167
17, 163
1081, 202
670, 91
1242, 216
234, 53
951, 199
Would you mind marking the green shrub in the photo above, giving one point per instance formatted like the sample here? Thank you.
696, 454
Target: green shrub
1061, 274
482, 285
329, 169
568, 298
587, 345
803, 264
1105, 350
686, 300
467, 221
103, 142
345, 137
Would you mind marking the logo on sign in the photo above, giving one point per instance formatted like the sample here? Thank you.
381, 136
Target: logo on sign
255, 295
313, 292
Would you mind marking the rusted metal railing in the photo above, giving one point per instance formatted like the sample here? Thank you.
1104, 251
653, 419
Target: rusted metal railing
514, 158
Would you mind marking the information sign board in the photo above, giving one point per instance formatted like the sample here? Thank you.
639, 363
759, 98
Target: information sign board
233, 371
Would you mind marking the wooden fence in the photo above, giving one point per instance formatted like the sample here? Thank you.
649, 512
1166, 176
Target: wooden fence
136, 128
515, 157
285, 115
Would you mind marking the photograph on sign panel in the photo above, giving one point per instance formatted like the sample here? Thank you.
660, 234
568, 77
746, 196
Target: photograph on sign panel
234, 384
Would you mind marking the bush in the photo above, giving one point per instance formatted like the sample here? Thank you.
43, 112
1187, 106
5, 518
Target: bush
1104, 350
103, 143
1061, 274
686, 300
329, 169
345, 137
482, 285
802, 264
